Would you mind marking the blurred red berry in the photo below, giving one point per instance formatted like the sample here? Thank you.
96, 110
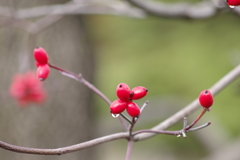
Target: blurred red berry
123, 92
26, 88
43, 71
37, 64
206, 99
118, 106
133, 109
138, 92
233, 2
40, 55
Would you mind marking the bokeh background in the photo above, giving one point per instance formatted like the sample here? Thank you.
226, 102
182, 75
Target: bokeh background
175, 58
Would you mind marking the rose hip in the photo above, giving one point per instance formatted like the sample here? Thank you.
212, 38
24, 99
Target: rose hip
138, 92
123, 92
118, 106
133, 109
40, 55
206, 99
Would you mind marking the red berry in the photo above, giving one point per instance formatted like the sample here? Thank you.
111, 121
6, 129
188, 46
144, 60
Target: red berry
233, 2
123, 92
37, 64
43, 71
139, 92
133, 109
118, 106
206, 99
40, 55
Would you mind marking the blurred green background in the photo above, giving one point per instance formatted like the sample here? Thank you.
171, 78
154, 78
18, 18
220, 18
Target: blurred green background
175, 59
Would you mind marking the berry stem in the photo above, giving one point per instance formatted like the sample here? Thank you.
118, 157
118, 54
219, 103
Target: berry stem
126, 118
131, 127
196, 120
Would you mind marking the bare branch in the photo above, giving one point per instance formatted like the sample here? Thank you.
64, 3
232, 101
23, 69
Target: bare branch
98, 7
199, 10
199, 127
93, 88
64, 150
216, 88
82, 80
129, 150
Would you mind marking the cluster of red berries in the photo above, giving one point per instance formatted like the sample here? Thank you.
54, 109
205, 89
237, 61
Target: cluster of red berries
41, 58
233, 3
206, 99
126, 95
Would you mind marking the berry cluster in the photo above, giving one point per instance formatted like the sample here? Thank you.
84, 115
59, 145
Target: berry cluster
206, 99
126, 95
41, 58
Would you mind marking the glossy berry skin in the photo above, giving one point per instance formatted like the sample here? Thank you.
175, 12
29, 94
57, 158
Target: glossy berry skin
206, 99
43, 71
133, 109
123, 92
233, 2
40, 55
118, 106
138, 92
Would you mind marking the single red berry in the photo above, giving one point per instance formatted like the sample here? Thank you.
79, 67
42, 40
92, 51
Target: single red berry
118, 106
43, 71
40, 55
233, 2
138, 92
206, 99
133, 109
123, 92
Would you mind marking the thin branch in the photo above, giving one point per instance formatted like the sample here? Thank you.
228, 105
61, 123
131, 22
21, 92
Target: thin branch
126, 118
98, 7
199, 127
131, 127
196, 120
216, 88
129, 150
46, 21
92, 87
203, 9
143, 106
176, 133
64, 150
82, 80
